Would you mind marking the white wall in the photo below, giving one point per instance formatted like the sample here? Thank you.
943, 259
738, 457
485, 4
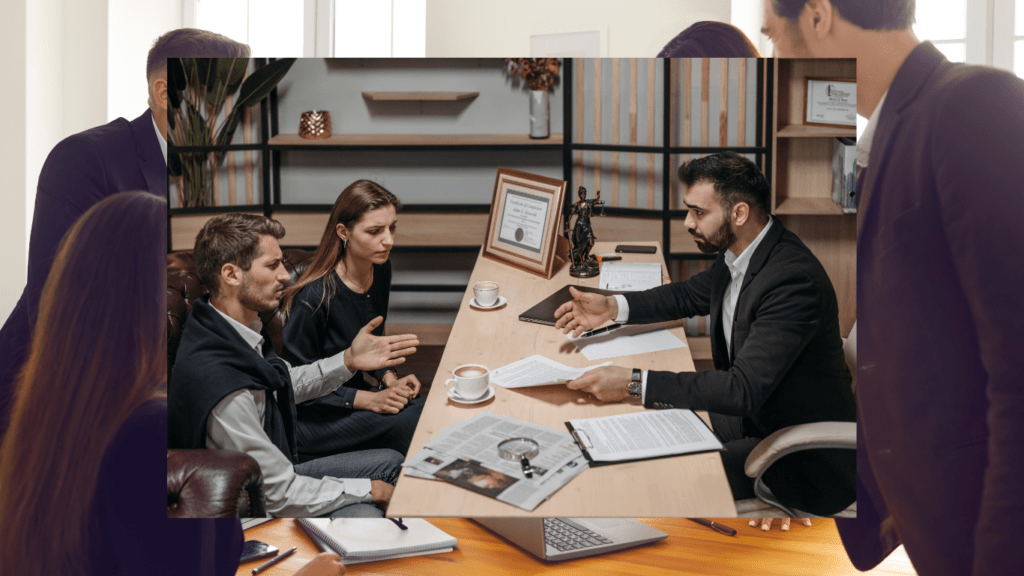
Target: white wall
133, 25
640, 28
13, 46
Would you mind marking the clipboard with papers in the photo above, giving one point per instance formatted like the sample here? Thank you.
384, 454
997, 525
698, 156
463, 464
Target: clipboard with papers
643, 435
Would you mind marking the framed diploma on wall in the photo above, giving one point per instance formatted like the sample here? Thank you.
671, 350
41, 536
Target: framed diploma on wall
523, 226
831, 102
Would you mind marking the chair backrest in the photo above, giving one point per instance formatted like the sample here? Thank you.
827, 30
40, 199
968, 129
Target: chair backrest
850, 351
184, 287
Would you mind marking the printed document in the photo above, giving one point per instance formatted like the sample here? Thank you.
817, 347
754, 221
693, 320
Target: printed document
630, 276
648, 434
537, 371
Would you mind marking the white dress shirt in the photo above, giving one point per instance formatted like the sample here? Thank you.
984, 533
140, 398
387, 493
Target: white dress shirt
864, 142
236, 423
737, 266
160, 138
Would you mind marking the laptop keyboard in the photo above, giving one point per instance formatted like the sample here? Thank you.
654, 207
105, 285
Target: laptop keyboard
564, 535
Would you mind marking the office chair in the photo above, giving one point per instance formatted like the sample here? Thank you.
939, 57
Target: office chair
815, 435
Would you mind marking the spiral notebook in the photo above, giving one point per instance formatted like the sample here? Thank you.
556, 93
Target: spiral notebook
370, 539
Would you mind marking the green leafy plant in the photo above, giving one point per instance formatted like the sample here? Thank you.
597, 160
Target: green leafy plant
197, 89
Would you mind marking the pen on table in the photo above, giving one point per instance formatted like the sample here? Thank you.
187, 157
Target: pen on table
597, 331
607, 257
274, 560
714, 526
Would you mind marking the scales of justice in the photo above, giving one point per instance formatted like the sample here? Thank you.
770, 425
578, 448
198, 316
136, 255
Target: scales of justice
581, 238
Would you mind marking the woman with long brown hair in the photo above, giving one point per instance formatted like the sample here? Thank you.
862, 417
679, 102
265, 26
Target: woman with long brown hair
345, 288
83, 463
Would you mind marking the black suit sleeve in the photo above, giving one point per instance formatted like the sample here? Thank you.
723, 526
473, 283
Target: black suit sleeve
785, 322
672, 301
977, 163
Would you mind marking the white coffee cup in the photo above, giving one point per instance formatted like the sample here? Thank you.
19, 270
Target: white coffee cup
486, 293
470, 380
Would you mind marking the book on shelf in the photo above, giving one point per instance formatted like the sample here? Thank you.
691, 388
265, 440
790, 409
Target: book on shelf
844, 175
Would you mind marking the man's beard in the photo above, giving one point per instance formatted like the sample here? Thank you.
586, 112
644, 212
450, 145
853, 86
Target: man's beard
720, 240
251, 298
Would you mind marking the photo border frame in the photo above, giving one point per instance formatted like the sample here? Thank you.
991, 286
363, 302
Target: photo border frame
499, 250
807, 100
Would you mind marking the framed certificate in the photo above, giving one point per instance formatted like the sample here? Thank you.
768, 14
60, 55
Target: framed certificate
831, 102
523, 225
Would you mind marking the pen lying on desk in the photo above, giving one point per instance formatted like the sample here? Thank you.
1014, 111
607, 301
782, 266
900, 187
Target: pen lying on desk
597, 331
274, 560
714, 526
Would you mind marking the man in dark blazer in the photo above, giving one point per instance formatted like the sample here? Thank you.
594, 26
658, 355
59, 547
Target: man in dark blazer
775, 342
941, 368
87, 167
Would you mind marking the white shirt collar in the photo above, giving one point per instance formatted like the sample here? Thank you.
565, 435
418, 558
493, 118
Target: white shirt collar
738, 264
163, 142
864, 143
251, 334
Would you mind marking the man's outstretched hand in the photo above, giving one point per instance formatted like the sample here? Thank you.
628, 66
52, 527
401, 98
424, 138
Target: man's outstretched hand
585, 311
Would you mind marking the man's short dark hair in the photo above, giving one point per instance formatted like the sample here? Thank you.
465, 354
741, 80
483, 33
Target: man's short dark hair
866, 14
733, 177
232, 238
191, 43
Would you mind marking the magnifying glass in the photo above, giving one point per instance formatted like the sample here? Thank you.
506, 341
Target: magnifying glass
521, 449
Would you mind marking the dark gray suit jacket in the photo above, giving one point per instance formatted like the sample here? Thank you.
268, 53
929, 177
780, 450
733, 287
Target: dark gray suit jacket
941, 330
786, 367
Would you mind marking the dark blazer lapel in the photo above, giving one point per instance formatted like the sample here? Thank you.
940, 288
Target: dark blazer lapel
151, 158
718, 283
760, 256
909, 80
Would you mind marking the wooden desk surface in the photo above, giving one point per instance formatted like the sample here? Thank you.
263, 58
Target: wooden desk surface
686, 486
690, 549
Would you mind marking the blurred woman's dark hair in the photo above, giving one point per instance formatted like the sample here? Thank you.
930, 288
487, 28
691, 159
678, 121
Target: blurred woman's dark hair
98, 353
710, 40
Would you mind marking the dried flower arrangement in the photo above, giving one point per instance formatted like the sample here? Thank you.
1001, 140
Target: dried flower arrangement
539, 73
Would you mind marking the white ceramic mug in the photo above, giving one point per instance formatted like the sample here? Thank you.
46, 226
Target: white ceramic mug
470, 380
486, 293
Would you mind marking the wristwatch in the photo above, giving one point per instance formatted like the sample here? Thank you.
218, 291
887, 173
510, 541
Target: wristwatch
381, 384
636, 387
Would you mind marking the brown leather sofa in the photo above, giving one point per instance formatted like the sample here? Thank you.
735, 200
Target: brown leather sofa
211, 483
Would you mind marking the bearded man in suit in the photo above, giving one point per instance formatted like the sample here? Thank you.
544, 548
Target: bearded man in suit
775, 342
87, 167
941, 404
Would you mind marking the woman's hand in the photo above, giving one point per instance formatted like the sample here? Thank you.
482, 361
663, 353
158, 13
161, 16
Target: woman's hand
370, 352
410, 382
387, 401
323, 564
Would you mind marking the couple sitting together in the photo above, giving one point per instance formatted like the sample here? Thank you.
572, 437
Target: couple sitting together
328, 442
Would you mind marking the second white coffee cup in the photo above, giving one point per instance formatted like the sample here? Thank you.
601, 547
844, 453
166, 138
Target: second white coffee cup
486, 293
470, 381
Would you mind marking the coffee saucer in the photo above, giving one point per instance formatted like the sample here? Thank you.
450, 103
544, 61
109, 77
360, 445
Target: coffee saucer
474, 304
454, 396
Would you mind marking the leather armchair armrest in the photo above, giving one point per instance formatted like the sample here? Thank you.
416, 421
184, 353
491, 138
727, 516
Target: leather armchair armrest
213, 484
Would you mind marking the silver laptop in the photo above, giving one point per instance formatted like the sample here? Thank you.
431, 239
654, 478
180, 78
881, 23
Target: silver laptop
567, 538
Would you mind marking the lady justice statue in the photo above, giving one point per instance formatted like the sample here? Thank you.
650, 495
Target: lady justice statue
581, 240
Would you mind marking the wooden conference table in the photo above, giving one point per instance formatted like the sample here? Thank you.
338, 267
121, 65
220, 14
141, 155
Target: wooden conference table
683, 486
689, 550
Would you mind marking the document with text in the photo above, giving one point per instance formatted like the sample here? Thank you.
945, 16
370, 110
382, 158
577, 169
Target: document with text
630, 276
537, 371
642, 435
626, 341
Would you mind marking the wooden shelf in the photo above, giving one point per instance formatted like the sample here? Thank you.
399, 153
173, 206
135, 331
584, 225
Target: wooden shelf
419, 96
810, 206
804, 131
418, 140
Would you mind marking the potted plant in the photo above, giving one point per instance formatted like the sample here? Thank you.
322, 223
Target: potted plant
197, 89
540, 74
